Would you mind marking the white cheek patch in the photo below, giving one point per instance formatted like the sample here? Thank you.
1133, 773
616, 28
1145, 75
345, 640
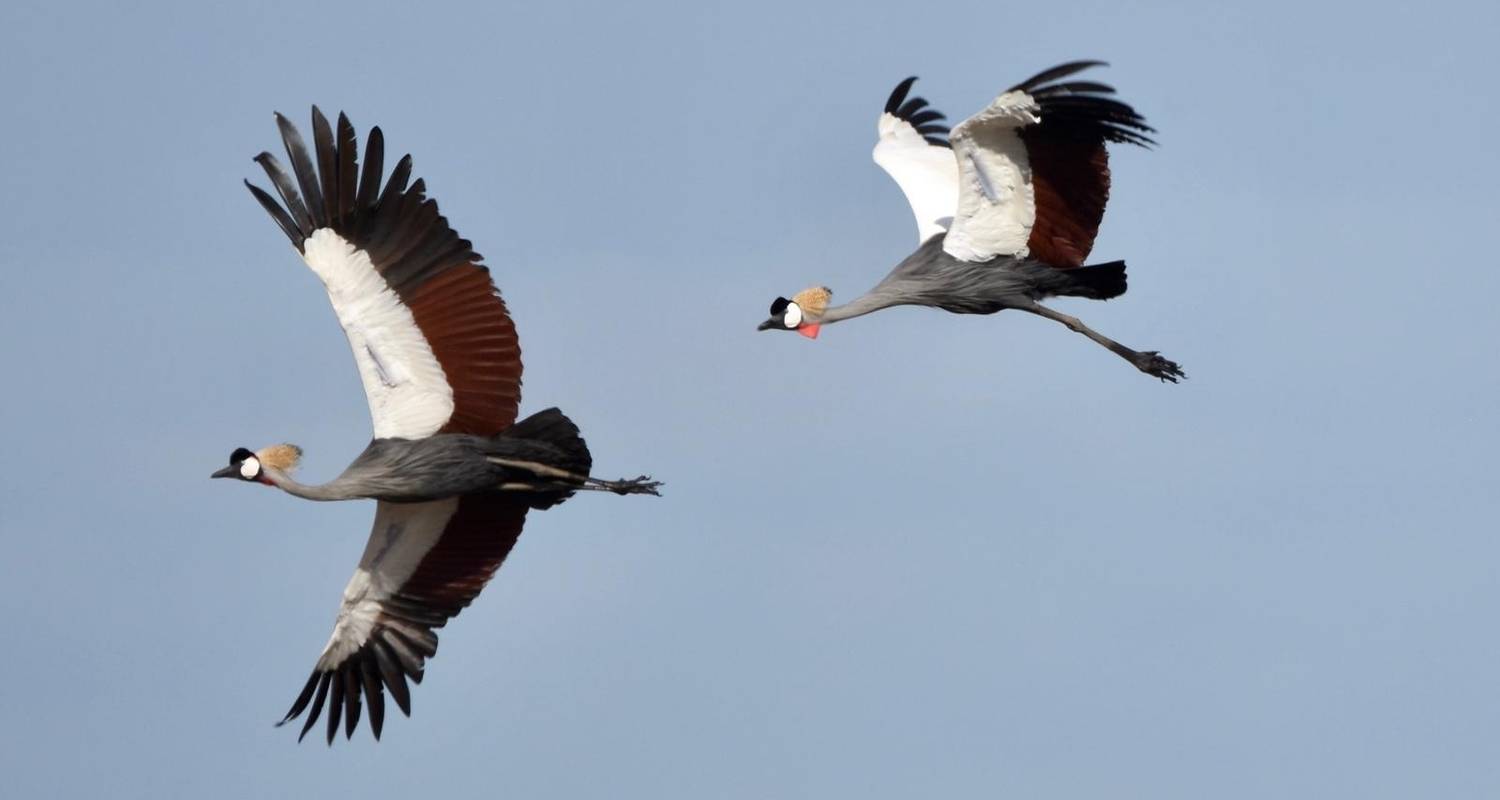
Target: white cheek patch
249, 468
793, 316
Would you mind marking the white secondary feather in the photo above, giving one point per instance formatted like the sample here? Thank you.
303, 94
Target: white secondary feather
408, 393
403, 533
996, 203
926, 173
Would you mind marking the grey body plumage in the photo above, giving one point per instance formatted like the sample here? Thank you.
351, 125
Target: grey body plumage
542, 458
932, 277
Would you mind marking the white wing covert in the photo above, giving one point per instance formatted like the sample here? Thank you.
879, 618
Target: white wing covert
911, 149
996, 204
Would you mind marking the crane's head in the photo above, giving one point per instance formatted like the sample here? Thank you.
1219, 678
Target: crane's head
801, 313
248, 466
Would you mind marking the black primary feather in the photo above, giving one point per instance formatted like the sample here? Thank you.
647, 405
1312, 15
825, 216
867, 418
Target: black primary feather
277, 213
335, 704
391, 674
369, 180
328, 169
1082, 109
917, 113
930, 115
301, 702
289, 194
1059, 71
898, 95
352, 683
374, 697
317, 705
307, 175
348, 171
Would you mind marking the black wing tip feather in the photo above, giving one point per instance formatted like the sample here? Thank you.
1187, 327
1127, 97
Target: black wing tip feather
898, 95
383, 664
1085, 107
918, 113
1054, 73
324, 187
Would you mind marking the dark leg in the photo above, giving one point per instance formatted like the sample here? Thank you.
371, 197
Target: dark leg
1149, 362
564, 481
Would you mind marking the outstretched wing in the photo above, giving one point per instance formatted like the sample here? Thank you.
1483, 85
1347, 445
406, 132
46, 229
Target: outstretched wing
423, 564
1033, 171
434, 344
913, 150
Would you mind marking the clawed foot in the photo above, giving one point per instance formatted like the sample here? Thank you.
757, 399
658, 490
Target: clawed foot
1151, 363
639, 485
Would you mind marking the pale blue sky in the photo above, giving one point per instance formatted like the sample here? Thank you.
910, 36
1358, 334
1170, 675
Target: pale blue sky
923, 556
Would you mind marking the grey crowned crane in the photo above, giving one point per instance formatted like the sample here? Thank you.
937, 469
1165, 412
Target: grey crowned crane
452, 471
1007, 207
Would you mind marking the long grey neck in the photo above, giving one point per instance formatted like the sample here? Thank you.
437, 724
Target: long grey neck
874, 300
335, 489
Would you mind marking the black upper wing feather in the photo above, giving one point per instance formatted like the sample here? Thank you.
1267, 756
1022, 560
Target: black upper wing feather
1059, 71
335, 703
328, 167
406, 655
1102, 106
301, 702
317, 705
415, 228
388, 207
396, 184
277, 213
911, 107
1083, 109
369, 180
307, 175
374, 696
289, 194
352, 683
930, 115
916, 112
1074, 87
898, 95
390, 672
387, 238
348, 161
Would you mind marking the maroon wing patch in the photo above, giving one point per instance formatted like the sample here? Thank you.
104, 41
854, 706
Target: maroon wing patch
1069, 163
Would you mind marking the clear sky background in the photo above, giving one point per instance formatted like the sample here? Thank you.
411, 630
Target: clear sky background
923, 556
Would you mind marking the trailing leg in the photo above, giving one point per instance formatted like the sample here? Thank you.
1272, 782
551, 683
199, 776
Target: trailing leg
1149, 362
554, 479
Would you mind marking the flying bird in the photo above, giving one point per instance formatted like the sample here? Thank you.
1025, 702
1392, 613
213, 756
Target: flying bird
1007, 206
452, 471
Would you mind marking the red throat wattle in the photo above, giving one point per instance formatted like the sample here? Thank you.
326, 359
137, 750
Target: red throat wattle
809, 330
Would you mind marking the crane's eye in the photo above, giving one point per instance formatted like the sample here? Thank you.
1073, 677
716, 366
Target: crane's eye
250, 468
793, 316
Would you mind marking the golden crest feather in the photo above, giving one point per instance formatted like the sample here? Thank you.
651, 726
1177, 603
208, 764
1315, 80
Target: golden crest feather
284, 457
813, 300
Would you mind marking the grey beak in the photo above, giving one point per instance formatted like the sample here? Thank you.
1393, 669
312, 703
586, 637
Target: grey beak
230, 471
768, 325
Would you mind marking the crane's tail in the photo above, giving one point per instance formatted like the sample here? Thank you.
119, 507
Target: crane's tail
1096, 282
551, 431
